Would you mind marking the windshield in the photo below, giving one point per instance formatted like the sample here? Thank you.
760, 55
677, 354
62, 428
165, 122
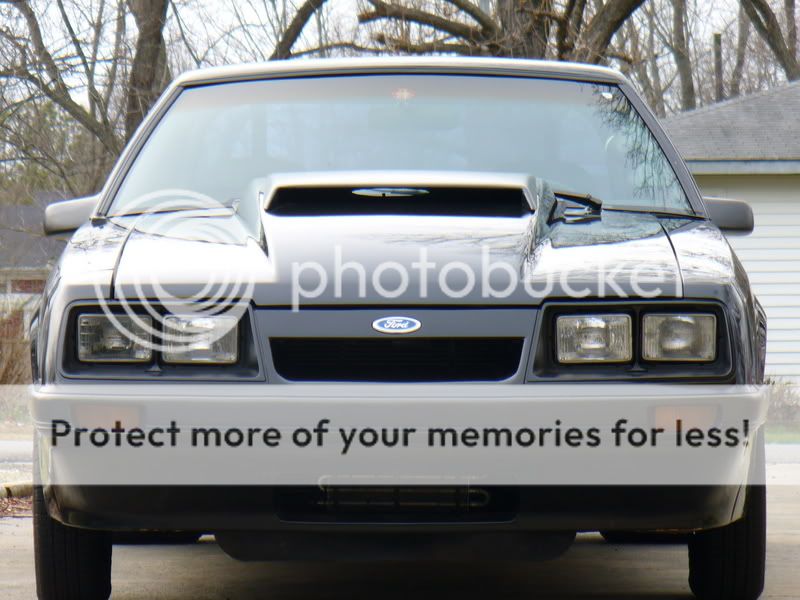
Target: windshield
580, 137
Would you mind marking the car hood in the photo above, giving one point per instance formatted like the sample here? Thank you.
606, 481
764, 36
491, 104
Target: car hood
399, 260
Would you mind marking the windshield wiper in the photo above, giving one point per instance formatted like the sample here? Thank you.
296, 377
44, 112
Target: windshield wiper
585, 199
594, 204
588, 207
656, 212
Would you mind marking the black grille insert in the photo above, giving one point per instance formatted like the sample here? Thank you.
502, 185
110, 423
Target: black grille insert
432, 504
395, 360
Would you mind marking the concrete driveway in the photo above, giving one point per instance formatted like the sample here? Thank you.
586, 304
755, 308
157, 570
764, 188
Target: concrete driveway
591, 569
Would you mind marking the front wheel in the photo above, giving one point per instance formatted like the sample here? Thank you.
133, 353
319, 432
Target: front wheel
728, 563
71, 563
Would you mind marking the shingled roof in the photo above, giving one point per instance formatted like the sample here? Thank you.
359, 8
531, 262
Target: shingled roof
759, 133
23, 244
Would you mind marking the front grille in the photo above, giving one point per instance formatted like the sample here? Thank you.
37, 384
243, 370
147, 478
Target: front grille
397, 504
393, 360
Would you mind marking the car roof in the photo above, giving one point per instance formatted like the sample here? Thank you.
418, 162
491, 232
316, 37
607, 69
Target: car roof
405, 65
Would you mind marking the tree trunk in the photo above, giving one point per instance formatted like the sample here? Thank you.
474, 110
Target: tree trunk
283, 49
598, 33
791, 27
524, 27
719, 88
680, 50
742, 38
766, 24
658, 101
640, 60
149, 67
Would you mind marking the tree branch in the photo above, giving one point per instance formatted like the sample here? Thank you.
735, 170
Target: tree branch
766, 24
55, 89
434, 47
680, 51
149, 60
283, 49
337, 46
597, 35
791, 26
483, 19
742, 38
382, 10
184, 38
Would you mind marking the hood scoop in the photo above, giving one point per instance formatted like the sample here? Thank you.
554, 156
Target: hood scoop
407, 193
427, 201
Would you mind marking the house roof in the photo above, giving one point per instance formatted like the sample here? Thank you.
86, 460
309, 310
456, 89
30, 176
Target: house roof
23, 244
759, 133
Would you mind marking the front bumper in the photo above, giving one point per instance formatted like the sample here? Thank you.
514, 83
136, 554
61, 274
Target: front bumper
245, 508
133, 495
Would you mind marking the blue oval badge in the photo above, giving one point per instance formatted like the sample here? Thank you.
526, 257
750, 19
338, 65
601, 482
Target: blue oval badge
396, 325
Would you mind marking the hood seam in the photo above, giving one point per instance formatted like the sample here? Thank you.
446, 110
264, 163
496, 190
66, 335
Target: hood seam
677, 260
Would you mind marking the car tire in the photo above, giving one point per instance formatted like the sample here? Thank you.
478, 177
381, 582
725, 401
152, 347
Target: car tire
71, 563
728, 563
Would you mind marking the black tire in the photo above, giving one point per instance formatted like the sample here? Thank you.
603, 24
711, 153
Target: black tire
728, 563
71, 563
644, 537
155, 538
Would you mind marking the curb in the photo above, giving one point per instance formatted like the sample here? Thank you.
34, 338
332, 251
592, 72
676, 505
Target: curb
20, 489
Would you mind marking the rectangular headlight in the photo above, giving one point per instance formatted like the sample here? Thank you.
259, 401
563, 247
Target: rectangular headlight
679, 337
101, 339
594, 338
194, 339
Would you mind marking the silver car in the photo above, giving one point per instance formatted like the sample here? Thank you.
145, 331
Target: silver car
314, 193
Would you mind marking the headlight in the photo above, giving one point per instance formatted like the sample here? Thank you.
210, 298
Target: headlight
680, 337
102, 340
594, 338
208, 340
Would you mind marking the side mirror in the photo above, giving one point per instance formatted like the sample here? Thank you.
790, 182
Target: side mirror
66, 216
734, 216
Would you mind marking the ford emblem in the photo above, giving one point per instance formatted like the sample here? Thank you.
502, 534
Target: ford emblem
396, 325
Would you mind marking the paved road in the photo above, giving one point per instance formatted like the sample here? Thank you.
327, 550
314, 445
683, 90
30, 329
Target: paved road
590, 570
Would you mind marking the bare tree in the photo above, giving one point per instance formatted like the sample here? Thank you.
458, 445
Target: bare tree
149, 70
252, 30
77, 77
742, 37
33, 64
86, 63
43, 79
680, 50
766, 23
670, 57
291, 33
791, 26
598, 32
653, 68
574, 30
644, 53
